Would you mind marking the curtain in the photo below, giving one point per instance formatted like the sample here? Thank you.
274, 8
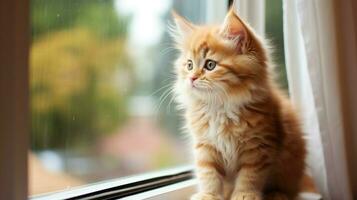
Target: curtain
252, 11
312, 68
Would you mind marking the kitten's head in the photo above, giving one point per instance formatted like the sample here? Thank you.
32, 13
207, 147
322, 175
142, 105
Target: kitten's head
218, 63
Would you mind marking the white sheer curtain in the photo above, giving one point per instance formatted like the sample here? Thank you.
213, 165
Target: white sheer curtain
311, 58
252, 11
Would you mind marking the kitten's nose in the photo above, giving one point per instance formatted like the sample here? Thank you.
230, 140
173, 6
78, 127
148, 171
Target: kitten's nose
193, 78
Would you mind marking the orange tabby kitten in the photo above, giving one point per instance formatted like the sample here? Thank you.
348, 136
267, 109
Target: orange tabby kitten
248, 141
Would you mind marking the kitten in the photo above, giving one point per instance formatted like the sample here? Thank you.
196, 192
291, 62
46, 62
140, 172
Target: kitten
247, 138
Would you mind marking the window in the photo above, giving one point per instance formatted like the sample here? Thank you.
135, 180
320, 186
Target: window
100, 99
274, 31
101, 106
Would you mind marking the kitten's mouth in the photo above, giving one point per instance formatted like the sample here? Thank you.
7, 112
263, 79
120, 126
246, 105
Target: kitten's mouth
194, 86
198, 88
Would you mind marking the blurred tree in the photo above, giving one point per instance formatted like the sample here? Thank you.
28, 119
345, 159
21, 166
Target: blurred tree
100, 16
73, 93
77, 61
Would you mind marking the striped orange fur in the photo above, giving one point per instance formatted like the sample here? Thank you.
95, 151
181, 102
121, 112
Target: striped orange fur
248, 139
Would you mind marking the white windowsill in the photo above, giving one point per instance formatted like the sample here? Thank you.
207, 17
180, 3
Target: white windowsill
105, 185
178, 191
183, 190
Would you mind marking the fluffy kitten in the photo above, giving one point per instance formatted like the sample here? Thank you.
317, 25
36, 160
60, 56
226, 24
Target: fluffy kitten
248, 141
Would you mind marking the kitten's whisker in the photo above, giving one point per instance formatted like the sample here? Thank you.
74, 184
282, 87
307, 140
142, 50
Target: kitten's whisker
168, 108
221, 88
173, 73
167, 47
166, 44
158, 90
167, 79
167, 90
167, 50
212, 100
215, 100
206, 85
163, 98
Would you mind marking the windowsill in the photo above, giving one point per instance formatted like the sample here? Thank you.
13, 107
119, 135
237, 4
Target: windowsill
185, 189
173, 184
123, 187
177, 191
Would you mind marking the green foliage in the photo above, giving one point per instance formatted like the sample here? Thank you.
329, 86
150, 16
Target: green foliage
99, 16
77, 53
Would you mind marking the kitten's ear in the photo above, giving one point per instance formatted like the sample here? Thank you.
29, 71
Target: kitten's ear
234, 30
182, 27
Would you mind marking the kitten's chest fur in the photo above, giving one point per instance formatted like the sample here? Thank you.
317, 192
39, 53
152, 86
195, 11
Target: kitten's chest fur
222, 128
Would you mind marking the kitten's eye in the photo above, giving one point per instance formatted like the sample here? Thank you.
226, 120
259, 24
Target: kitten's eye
210, 65
189, 65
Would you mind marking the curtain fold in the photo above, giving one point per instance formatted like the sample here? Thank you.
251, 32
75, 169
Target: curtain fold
311, 58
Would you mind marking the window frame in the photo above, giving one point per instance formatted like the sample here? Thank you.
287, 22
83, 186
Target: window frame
124, 187
174, 184
14, 115
14, 122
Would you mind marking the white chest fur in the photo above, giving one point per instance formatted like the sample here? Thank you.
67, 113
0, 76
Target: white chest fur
221, 138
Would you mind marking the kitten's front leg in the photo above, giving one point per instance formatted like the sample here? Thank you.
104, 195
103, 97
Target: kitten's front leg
209, 172
251, 180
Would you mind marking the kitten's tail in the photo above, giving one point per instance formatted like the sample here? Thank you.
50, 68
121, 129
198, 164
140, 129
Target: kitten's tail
308, 185
308, 189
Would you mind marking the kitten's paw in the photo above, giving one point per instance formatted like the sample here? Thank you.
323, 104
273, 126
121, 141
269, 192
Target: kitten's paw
246, 196
205, 196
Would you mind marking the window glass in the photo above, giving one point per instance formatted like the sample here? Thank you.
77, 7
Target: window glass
101, 106
274, 32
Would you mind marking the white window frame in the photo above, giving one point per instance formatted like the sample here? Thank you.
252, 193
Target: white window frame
146, 185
